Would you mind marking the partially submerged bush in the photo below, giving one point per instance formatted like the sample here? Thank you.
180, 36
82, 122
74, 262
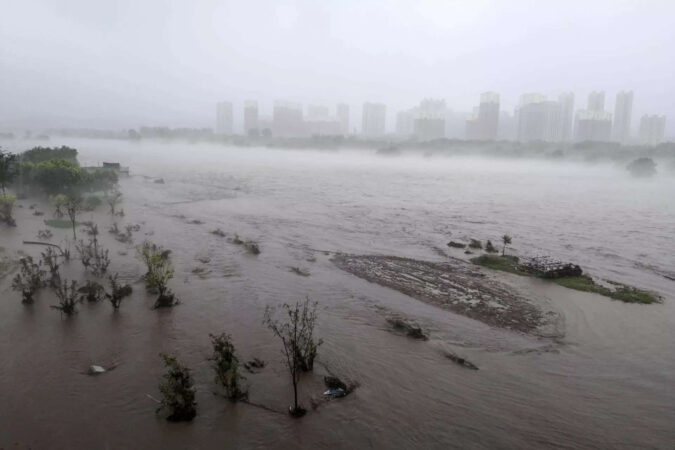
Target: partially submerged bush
117, 291
68, 297
29, 279
226, 366
92, 202
94, 258
58, 202
178, 391
50, 258
91, 291
113, 199
490, 248
476, 244
160, 271
7, 203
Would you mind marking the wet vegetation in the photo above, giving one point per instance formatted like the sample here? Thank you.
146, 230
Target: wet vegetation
29, 279
68, 296
295, 329
583, 283
94, 258
226, 366
178, 391
159, 272
117, 291
91, 291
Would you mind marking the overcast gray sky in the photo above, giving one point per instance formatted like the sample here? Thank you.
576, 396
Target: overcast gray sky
112, 64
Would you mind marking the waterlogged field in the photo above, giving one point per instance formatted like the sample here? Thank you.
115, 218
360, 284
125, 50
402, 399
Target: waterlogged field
603, 380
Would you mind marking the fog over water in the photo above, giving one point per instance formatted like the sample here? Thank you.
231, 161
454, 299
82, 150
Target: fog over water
607, 383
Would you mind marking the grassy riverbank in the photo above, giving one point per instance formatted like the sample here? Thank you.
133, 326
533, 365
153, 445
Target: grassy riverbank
585, 283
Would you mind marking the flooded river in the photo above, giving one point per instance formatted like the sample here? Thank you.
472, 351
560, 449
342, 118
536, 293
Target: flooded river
608, 382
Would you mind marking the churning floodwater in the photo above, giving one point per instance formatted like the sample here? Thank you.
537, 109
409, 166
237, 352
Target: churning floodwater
608, 383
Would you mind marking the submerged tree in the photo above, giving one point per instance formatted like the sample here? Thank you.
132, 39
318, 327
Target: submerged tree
73, 207
178, 391
160, 271
91, 291
113, 198
58, 201
226, 365
7, 203
93, 257
29, 279
506, 239
117, 291
50, 258
296, 332
68, 296
7, 169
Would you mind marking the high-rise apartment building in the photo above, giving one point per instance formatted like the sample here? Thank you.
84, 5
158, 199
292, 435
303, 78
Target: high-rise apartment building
251, 125
343, 117
566, 101
224, 118
287, 119
538, 119
484, 124
652, 129
591, 125
373, 120
623, 110
596, 101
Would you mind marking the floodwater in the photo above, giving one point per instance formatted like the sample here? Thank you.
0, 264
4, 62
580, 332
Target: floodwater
608, 383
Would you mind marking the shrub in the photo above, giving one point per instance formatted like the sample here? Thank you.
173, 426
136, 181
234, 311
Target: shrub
68, 297
40, 154
117, 291
50, 258
177, 389
7, 203
226, 365
92, 202
56, 175
91, 291
58, 202
112, 199
160, 271
93, 257
29, 279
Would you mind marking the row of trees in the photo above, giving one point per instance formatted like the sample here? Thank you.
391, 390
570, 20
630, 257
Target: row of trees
294, 326
52, 171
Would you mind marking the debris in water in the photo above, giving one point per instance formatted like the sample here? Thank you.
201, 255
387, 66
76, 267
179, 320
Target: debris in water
96, 370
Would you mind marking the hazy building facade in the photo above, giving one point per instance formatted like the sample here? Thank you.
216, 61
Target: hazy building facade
287, 119
591, 125
652, 129
484, 124
623, 110
373, 120
429, 120
405, 122
224, 118
596, 101
538, 119
343, 117
251, 125
566, 101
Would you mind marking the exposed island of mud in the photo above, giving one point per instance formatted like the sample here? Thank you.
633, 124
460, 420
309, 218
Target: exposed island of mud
454, 286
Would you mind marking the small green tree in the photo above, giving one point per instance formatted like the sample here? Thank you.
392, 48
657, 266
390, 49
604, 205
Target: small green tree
296, 332
73, 207
178, 391
506, 239
226, 365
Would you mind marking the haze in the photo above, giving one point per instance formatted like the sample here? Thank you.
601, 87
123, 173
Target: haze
125, 64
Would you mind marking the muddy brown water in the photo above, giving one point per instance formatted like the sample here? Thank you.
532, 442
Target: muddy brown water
608, 383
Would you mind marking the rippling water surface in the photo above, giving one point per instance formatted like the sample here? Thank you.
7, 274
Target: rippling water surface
607, 384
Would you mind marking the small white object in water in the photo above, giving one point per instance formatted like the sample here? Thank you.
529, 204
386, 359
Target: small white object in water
96, 370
